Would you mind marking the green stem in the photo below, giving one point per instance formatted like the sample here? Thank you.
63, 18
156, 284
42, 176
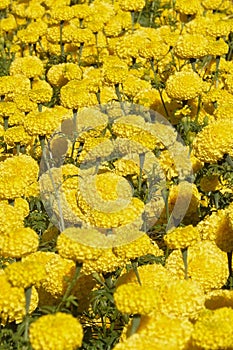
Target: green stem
70, 286
185, 260
28, 293
135, 324
61, 43
6, 119
132, 20
135, 268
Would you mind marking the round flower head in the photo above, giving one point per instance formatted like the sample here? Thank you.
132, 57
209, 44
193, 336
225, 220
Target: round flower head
131, 298
25, 274
41, 91
184, 85
11, 86
16, 176
213, 329
218, 227
207, 265
166, 331
115, 70
11, 218
191, 46
30, 66
19, 242
13, 301
59, 272
41, 123
213, 141
4, 4
130, 5
181, 237
17, 135
151, 275
187, 7
56, 331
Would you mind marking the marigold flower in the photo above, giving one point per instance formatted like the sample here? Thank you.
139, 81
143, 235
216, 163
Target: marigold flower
152, 275
130, 5
30, 66
131, 298
8, 24
16, 175
207, 265
59, 273
184, 85
13, 301
213, 141
17, 135
181, 298
11, 86
41, 123
41, 91
181, 237
165, 330
188, 8
56, 331
69, 244
11, 218
4, 4
115, 70
213, 329
218, 227
191, 46
25, 273
19, 242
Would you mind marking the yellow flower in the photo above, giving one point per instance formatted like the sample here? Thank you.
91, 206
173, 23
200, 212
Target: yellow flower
167, 332
181, 237
41, 123
19, 242
41, 92
187, 7
13, 301
11, 86
191, 46
213, 141
207, 265
56, 332
17, 135
75, 94
115, 70
131, 298
30, 66
59, 273
181, 298
70, 244
210, 183
61, 13
4, 4
184, 85
130, 5
213, 329
16, 175
8, 24
151, 275
11, 218
25, 273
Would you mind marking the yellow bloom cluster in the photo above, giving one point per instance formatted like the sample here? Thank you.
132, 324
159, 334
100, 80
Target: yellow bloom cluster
121, 111
59, 331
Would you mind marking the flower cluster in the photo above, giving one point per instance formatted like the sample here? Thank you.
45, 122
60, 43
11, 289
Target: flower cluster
116, 180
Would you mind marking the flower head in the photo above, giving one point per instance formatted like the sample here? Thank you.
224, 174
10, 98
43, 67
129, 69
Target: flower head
56, 331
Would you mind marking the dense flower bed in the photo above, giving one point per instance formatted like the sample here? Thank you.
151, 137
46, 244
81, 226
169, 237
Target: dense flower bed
116, 174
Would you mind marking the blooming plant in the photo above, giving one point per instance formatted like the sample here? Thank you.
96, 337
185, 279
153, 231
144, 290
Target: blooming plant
116, 174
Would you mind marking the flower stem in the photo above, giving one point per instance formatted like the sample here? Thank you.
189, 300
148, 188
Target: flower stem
185, 260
